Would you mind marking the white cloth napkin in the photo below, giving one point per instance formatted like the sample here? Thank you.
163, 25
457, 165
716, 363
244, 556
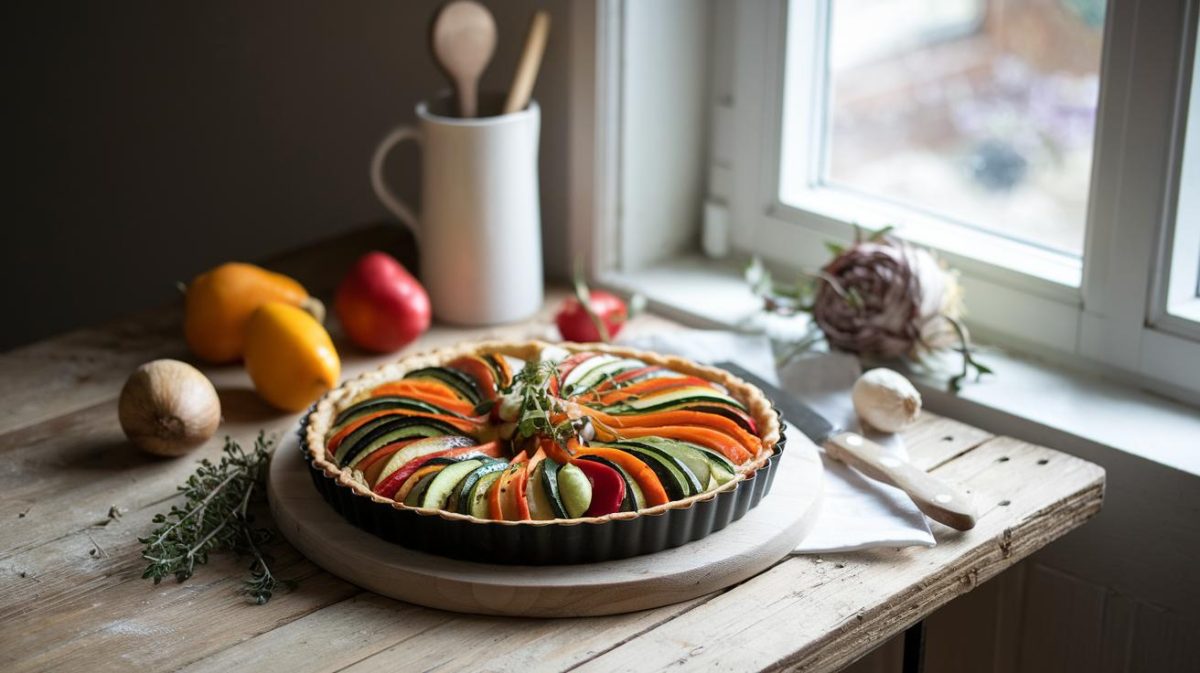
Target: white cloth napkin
857, 512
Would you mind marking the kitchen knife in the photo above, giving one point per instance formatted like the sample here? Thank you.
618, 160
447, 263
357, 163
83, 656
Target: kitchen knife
937, 499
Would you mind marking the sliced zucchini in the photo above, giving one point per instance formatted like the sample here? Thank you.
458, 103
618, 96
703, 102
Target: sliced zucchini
464, 385
460, 500
678, 481
414, 496
382, 431
575, 490
549, 478
581, 371
437, 495
693, 459
630, 502
602, 372
666, 399
536, 495
387, 403
415, 480
475, 501
419, 448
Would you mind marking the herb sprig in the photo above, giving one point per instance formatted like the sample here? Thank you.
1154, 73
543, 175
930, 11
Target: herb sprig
538, 407
216, 517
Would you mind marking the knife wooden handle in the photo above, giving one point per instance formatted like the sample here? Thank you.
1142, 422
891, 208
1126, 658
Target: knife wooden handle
937, 499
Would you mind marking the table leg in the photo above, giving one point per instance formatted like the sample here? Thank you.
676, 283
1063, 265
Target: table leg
914, 648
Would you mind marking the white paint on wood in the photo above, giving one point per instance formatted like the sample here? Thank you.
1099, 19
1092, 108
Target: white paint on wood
664, 124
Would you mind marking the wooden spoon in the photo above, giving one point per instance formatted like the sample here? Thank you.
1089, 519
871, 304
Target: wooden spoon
531, 62
463, 39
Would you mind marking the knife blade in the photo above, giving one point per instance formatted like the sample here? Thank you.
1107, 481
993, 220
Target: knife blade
936, 498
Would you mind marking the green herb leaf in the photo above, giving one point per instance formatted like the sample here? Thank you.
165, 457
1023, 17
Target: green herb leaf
216, 517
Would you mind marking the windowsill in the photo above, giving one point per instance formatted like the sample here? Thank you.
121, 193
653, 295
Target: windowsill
712, 294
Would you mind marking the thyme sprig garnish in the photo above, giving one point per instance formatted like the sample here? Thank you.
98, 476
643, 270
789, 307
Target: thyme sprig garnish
538, 409
216, 516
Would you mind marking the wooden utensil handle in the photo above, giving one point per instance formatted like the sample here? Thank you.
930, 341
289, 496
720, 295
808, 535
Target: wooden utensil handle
531, 62
937, 499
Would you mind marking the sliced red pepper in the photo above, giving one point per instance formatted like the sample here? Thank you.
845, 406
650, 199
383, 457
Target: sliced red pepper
388, 487
642, 473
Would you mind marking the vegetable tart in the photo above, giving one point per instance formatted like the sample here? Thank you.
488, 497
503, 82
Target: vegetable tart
538, 453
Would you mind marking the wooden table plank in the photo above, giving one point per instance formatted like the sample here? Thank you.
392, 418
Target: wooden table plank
85, 367
71, 596
821, 613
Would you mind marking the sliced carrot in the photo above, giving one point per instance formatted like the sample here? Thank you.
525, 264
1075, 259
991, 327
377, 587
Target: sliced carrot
645, 477
393, 481
468, 426
373, 464
521, 483
412, 481
555, 451
429, 391
476, 368
619, 379
652, 385
500, 497
713, 439
681, 417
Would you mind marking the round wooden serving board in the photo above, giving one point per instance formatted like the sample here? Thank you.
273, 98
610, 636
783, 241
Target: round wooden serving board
745, 548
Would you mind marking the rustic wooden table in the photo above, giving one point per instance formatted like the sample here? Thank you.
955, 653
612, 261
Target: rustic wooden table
72, 597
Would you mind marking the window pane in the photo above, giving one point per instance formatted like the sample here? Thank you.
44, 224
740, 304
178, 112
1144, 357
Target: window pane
981, 111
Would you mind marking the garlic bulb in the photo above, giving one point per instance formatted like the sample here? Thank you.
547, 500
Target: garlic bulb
168, 408
885, 400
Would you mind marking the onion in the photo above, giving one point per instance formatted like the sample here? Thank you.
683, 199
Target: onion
168, 408
885, 400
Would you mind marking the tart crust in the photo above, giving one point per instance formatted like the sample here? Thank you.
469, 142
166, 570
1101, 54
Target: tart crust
316, 423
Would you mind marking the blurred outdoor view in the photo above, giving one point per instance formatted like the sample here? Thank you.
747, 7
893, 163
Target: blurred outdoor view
982, 111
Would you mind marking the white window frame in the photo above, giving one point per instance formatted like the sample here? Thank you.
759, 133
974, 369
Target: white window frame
1110, 315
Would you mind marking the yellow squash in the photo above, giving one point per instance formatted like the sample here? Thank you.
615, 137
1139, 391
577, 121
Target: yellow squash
289, 356
220, 301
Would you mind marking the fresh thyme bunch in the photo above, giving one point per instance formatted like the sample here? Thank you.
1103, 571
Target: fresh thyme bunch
216, 517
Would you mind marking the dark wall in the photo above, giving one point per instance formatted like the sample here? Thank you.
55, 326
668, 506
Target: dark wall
150, 140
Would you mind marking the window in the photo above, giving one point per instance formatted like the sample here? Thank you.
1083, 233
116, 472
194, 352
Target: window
969, 122
978, 112
1178, 306
1043, 147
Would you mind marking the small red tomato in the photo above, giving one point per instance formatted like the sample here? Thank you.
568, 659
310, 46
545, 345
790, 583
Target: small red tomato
608, 488
380, 305
575, 325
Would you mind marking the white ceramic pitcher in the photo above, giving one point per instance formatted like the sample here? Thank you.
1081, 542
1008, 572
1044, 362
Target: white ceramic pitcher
479, 232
